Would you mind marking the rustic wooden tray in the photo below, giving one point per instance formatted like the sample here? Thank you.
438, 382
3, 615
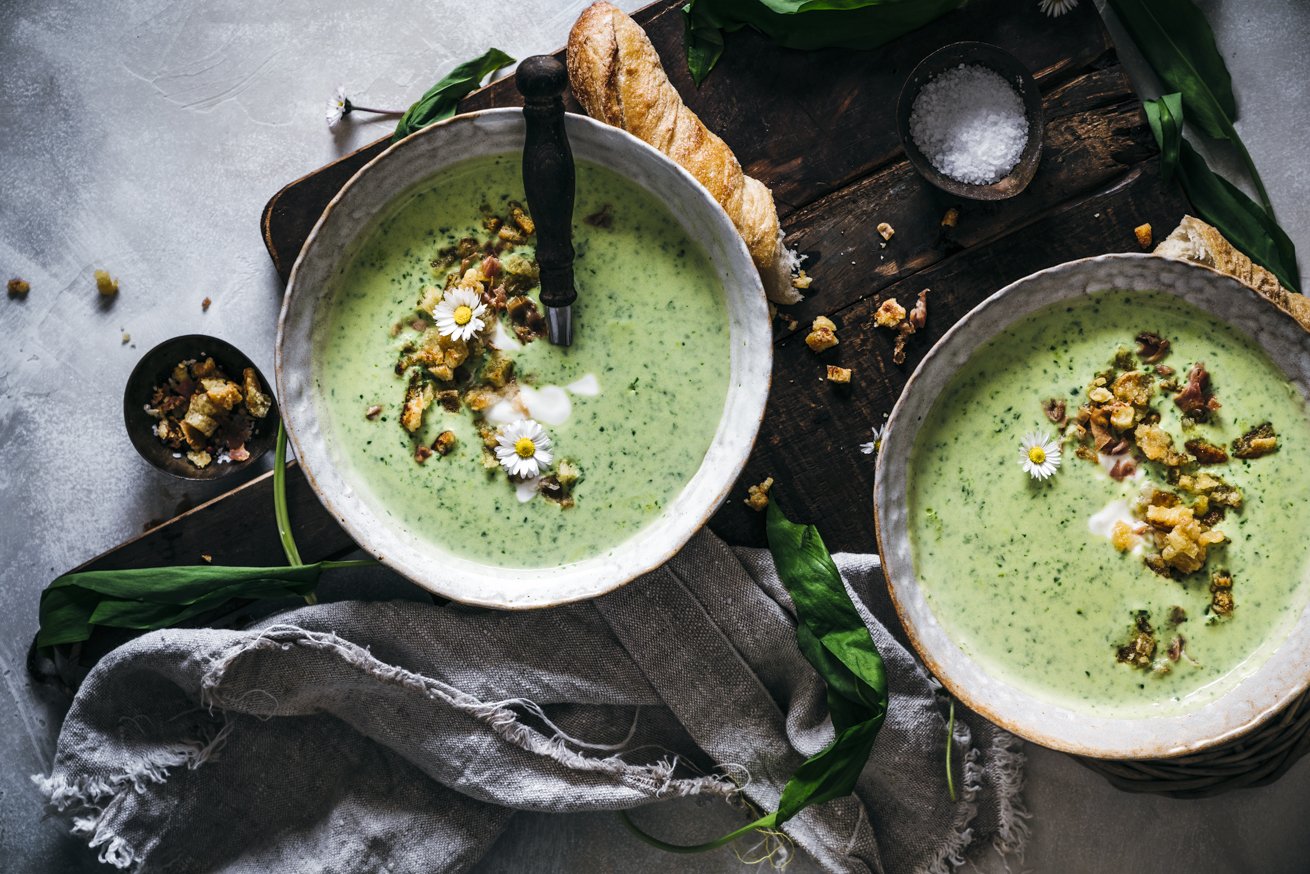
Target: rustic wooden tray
820, 131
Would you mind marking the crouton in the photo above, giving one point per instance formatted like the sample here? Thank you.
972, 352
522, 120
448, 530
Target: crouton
757, 496
840, 375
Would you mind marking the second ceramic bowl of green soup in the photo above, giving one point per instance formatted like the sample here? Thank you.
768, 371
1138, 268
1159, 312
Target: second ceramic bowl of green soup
1137, 586
449, 438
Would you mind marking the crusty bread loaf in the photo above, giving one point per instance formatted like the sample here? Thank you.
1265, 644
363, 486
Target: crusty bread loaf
1194, 240
616, 75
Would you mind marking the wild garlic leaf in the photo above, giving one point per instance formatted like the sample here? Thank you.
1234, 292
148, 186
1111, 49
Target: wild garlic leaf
441, 99
834, 639
152, 598
1165, 116
803, 24
1216, 200
1180, 47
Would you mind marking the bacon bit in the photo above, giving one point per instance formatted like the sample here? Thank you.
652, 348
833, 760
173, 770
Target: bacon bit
1196, 399
902, 335
919, 315
1123, 468
373, 412
1099, 425
240, 453
1175, 651
1151, 347
601, 218
204, 305
422, 453
1206, 452
495, 298
526, 319
1177, 615
419, 325
397, 328
1164, 370
1055, 410
491, 267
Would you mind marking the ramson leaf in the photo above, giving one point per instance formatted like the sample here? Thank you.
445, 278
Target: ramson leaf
441, 99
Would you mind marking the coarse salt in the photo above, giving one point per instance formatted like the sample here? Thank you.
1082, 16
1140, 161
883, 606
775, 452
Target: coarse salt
969, 123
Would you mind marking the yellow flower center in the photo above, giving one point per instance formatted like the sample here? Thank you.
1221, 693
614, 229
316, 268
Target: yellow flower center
463, 313
525, 448
1037, 455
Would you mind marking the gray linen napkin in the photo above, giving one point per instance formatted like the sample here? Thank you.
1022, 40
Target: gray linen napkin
400, 736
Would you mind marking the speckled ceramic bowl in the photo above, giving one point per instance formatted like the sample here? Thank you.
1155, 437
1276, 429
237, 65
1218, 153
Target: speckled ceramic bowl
1265, 691
380, 183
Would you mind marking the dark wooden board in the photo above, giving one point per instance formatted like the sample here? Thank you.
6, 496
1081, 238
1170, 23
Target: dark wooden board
818, 128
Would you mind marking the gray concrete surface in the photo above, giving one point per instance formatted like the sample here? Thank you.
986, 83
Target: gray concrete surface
145, 136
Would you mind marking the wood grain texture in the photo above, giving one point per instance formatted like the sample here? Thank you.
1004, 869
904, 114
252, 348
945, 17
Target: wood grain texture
818, 128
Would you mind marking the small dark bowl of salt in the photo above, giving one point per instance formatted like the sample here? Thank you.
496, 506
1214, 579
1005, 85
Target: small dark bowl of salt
970, 119
238, 408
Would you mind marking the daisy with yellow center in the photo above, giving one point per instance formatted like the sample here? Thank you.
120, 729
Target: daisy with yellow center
523, 449
459, 314
1040, 455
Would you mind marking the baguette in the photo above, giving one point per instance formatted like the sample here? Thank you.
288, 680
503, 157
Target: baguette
1194, 240
616, 75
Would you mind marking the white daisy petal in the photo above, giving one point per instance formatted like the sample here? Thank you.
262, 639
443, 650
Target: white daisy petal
1039, 455
1056, 8
872, 447
523, 448
460, 303
337, 106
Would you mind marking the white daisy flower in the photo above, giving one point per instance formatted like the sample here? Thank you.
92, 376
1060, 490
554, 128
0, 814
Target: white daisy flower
338, 107
459, 315
872, 447
1056, 8
1039, 455
524, 448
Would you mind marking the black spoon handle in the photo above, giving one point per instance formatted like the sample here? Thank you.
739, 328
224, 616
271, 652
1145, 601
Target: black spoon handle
548, 175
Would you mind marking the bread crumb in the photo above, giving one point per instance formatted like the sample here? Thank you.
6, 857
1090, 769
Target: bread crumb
106, 284
445, 443
889, 314
1122, 536
18, 287
204, 305
757, 496
1143, 234
206, 558
952, 218
886, 231
839, 374
801, 280
823, 334
127, 338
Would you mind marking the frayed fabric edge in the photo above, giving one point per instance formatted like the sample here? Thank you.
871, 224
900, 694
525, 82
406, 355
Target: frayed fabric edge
98, 796
656, 780
952, 854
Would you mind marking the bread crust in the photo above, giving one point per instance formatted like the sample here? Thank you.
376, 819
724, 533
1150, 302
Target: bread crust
616, 75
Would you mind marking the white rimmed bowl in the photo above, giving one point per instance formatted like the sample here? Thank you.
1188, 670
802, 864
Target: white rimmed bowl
1261, 694
393, 174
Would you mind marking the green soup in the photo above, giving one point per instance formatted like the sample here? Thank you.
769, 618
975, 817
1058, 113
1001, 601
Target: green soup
1022, 574
634, 402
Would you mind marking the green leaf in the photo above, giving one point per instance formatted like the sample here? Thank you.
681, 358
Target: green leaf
151, 598
834, 639
1165, 117
441, 99
1179, 45
1216, 200
803, 24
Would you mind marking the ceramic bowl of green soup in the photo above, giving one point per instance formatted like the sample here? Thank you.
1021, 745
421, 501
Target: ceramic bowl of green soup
1092, 508
444, 431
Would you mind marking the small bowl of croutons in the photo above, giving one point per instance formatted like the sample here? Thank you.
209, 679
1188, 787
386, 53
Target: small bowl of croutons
196, 407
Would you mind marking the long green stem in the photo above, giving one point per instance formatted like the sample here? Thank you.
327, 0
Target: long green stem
950, 743
761, 823
280, 505
1251, 171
